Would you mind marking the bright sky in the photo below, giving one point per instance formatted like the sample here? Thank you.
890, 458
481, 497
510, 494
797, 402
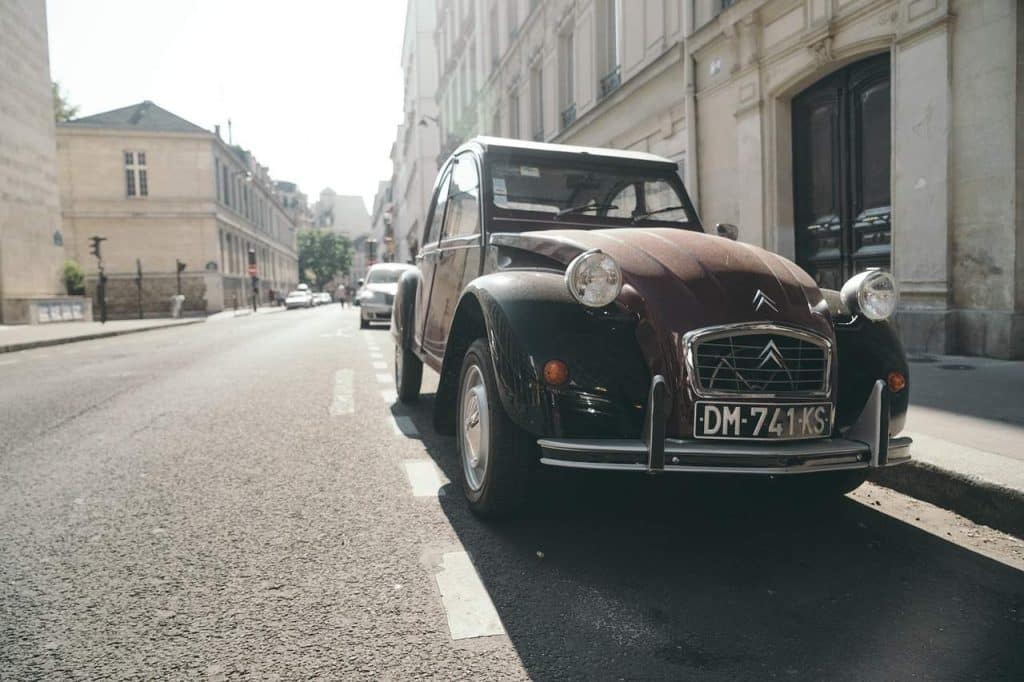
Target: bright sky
313, 89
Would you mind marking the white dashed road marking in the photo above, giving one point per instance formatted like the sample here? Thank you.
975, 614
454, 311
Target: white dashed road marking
424, 478
389, 396
380, 364
466, 603
383, 378
344, 400
403, 426
8, 362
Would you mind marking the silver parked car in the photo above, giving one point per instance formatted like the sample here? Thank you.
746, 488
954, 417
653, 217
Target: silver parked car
378, 292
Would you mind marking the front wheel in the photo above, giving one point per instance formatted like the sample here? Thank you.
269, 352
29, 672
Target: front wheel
408, 374
363, 322
494, 453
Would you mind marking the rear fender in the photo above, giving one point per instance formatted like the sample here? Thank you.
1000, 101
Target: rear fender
403, 314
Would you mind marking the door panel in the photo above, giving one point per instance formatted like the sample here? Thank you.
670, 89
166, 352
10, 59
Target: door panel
460, 237
429, 257
841, 170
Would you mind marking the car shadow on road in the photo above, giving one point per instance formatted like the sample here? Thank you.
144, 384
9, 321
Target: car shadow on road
619, 576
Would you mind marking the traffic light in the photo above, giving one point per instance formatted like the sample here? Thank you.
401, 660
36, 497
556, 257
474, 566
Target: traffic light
94, 248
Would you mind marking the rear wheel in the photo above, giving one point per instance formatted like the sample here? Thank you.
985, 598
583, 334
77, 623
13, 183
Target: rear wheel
408, 374
494, 453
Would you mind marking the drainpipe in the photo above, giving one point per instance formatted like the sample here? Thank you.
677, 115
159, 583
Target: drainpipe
689, 72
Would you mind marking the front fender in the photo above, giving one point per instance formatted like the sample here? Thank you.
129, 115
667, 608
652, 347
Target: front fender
531, 318
868, 351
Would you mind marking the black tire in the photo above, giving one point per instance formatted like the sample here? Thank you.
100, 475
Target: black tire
499, 489
408, 374
363, 323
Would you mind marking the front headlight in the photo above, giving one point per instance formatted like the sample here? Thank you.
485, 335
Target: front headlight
594, 279
873, 294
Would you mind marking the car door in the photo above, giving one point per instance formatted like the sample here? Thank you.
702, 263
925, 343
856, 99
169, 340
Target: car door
429, 254
459, 251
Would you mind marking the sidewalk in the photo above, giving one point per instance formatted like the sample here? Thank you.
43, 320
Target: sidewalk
242, 312
25, 336
967, 421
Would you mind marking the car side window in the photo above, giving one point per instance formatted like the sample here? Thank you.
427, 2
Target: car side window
434, 228
464, 212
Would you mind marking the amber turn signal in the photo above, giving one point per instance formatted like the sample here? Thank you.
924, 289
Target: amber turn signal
555, 372
897, 382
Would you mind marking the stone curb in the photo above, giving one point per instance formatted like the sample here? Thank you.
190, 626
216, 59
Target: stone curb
26, 345
981, 501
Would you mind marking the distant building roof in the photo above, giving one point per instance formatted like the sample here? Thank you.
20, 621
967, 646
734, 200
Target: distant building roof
144, 116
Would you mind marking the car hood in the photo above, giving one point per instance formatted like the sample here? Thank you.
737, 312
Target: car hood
676, 281
391, 288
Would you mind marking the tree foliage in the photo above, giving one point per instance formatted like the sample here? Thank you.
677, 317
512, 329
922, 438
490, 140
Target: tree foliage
323, 254
63, 110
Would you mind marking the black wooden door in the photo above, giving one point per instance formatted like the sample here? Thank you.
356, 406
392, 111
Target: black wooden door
841, 166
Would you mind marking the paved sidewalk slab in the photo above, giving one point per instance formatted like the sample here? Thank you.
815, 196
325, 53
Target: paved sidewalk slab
967, 421
23, 337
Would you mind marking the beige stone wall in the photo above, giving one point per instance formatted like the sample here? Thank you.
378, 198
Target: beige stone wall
30, 261
182, 216
956, 150
174, 221
986, 117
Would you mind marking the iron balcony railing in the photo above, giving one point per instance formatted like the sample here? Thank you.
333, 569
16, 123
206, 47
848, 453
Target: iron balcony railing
611, 82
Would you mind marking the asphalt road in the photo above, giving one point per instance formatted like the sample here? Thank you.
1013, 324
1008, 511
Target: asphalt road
238, 498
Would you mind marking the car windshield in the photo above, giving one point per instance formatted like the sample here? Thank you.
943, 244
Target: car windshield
561, 190
383, 276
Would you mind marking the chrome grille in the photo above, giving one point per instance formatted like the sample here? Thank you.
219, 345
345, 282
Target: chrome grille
760, 362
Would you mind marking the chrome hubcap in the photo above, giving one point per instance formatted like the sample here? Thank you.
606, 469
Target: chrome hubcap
474, 427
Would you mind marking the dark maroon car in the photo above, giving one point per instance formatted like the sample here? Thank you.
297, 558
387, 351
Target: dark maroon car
579, 316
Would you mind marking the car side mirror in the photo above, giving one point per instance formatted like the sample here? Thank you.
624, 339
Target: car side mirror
728, 231
359, 282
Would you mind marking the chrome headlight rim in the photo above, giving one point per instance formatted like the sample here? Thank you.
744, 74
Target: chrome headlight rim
857, 290
587, 258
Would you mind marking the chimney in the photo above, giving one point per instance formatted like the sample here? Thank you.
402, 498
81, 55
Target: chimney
216, 130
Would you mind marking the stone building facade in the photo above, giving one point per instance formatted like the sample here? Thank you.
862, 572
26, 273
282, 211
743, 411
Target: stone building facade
31, 237
844, 134
889, 133
162, 190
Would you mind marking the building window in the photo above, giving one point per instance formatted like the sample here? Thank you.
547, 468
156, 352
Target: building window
216, 178
495, 47
136, 182
225, 182
537, 101
513, 18
513, 114
567, 78
609, 45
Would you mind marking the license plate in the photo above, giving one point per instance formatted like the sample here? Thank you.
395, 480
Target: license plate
762, 422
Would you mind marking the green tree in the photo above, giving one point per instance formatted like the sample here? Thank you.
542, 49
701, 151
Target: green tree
323, 255
63, 110
74, 278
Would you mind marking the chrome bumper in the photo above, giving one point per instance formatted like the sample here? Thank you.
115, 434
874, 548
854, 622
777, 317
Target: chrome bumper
865, 445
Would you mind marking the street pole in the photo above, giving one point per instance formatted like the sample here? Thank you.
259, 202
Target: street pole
101, 285
138, 283
255, 279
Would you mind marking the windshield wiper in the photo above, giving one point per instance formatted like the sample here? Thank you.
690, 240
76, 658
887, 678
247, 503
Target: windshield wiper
589, 206
640, 216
